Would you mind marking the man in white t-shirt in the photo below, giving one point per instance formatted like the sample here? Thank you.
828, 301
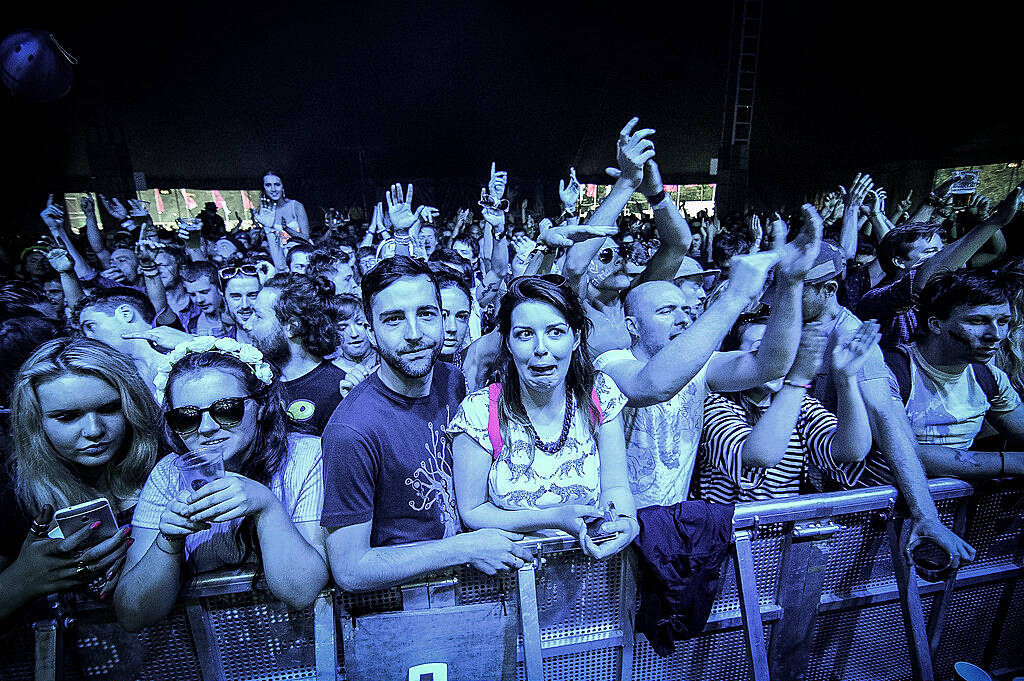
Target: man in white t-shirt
964, 317
672, 364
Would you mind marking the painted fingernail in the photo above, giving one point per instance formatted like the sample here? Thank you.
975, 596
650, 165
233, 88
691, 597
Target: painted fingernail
103, 597
127, 530
110, 574
95, 525
131, 540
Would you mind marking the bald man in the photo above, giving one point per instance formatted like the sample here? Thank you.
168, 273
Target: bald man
673, 363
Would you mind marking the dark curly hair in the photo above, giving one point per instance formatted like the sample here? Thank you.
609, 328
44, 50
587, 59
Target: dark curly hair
269, 451
579, 381
305, 309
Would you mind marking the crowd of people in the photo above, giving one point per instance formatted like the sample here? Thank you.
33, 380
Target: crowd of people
399, 395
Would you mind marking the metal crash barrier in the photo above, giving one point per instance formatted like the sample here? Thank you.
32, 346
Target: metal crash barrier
812, 591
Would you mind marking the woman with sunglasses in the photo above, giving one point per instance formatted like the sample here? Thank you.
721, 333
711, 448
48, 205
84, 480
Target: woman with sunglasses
544, 448
219, 393
83, 427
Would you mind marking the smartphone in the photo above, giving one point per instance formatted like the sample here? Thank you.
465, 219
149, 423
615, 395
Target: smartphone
74, 518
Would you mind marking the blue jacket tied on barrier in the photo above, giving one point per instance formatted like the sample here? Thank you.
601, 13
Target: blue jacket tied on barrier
680, 551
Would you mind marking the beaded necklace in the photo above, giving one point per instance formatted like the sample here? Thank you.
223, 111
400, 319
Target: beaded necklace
555, 446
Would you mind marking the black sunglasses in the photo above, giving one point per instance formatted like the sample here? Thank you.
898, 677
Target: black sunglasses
233, 271
606, 255
226, 412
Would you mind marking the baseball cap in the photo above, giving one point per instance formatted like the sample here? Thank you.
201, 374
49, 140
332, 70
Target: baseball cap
830, 264
690, 267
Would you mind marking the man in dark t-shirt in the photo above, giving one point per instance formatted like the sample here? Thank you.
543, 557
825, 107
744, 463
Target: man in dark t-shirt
389, 507
294, 326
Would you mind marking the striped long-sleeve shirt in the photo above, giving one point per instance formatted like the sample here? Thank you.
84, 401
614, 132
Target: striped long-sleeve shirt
724, 478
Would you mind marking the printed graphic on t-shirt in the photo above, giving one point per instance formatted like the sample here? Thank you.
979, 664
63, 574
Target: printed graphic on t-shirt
301, 410
432, 481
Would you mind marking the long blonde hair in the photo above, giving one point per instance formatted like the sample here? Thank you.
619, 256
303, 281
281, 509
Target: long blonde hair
44, 477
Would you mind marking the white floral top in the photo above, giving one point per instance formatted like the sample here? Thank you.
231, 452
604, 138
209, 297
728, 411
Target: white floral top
526, 477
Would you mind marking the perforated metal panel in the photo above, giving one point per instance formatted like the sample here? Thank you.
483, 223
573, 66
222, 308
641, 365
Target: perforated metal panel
577, 595
261, 638
1010, 646
997, 531
590, 665
16, 660
102, 650
722, 655
860, 645
766, 549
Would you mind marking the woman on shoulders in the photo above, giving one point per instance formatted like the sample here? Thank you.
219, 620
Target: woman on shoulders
83, 427
220, 393
277, 211
544, 448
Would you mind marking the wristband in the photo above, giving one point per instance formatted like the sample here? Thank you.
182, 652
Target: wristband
170, 543
805, 386
656, 198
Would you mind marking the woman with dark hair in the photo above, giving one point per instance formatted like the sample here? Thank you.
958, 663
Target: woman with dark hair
220, 393
544, 448
277, 211
83, 427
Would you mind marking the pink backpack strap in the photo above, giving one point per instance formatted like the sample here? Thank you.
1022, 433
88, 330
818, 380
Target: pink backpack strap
595, 408
493, 426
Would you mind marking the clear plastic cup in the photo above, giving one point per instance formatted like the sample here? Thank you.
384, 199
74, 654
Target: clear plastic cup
932, 562
200, 466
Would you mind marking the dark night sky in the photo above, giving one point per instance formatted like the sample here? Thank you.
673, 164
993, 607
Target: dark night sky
441, 89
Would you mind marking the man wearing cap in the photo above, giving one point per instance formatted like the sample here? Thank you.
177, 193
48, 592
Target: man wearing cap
672, 364
690, 278
894, 439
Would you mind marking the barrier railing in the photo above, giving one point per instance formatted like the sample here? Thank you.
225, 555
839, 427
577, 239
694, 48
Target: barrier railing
815, 589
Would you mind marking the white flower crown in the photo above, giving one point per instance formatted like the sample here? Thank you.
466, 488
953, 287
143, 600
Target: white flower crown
228, 346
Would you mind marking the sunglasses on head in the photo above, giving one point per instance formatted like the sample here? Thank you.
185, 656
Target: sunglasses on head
233, 271
226, 412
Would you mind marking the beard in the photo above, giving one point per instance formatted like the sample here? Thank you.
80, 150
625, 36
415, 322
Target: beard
274, 347
398, 360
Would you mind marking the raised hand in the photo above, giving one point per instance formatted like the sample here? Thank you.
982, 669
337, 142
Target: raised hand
862, 184
904, 205
978, 208
797, 257
137, 208
53, 216
114, 207
493, 216
59, 260
523, 246
428, 214
570, 193
756, 231
851, 349
1007, 208
633, 150
87, 204
496, 184
747, 273
567, 235
400, 208
776, 232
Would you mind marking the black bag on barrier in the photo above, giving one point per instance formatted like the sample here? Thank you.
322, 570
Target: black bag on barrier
680, 550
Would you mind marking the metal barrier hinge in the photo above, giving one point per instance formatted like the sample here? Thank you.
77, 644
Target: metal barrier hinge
817, 529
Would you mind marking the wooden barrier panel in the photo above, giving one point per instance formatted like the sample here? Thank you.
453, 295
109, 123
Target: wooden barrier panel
812, 591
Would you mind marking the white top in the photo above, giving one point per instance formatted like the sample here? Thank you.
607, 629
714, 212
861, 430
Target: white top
662, 440
299, 485
525, 477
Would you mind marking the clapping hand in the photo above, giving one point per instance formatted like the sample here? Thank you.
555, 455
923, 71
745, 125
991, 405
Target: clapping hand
633, 150
797, 256
851, 349
756, 231
862, 184
570, 193
808, 356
